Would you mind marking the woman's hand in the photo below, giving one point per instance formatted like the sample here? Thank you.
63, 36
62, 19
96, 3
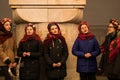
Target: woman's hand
26, 54
12, 65
57, 64
87, 55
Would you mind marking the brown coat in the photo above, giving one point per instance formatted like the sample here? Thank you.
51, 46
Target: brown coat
7, 50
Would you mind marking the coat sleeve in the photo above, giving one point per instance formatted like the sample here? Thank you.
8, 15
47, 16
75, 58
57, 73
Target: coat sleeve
76, 51
3, 56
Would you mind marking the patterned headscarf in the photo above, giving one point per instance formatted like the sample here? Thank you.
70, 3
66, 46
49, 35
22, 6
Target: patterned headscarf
4, 34
30, 37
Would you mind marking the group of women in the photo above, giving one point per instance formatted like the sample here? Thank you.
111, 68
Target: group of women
30, 49
86, 48
54, 49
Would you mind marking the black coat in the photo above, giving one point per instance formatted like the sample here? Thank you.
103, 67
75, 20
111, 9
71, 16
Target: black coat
30, 66
111, 69
56, 52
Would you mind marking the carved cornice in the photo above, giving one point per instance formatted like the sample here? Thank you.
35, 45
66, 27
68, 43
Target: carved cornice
46, 11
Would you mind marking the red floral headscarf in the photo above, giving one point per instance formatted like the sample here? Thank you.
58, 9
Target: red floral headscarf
30, 37
4, 34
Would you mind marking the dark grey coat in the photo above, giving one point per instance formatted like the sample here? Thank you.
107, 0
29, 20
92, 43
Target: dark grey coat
30, 66
54, 52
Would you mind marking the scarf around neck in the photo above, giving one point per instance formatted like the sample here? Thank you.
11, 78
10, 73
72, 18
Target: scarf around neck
86, 36
30, 37
52, 37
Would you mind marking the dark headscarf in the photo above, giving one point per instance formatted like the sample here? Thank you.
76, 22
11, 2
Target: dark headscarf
50, 37
83, 36
4, 34
30, 37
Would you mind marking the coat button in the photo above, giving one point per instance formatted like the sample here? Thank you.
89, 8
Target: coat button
58, 55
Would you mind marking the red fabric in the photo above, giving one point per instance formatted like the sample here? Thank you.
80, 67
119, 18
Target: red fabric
114, 50
85, 36
30, 37
82, 23
51, 37
4, 20
82, 36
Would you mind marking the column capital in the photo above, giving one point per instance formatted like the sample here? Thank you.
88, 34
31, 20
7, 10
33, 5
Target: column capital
47, 10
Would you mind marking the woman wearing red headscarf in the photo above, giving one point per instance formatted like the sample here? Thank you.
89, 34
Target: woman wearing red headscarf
86, 49
30, 50
55, 52
7, 47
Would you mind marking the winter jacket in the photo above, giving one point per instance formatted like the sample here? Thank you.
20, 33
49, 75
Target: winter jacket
79, 49
7, 51
110, 61
56, 52
30, 65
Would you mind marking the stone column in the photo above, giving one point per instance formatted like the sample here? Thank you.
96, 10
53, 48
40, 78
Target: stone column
68, 13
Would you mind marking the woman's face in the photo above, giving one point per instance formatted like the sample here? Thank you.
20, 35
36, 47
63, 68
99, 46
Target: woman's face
7, 26
111, 28
84, 29
29, 30
54, 29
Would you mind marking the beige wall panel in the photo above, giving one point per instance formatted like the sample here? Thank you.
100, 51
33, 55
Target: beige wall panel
67, 2
27, 1
31, 15
64, 15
